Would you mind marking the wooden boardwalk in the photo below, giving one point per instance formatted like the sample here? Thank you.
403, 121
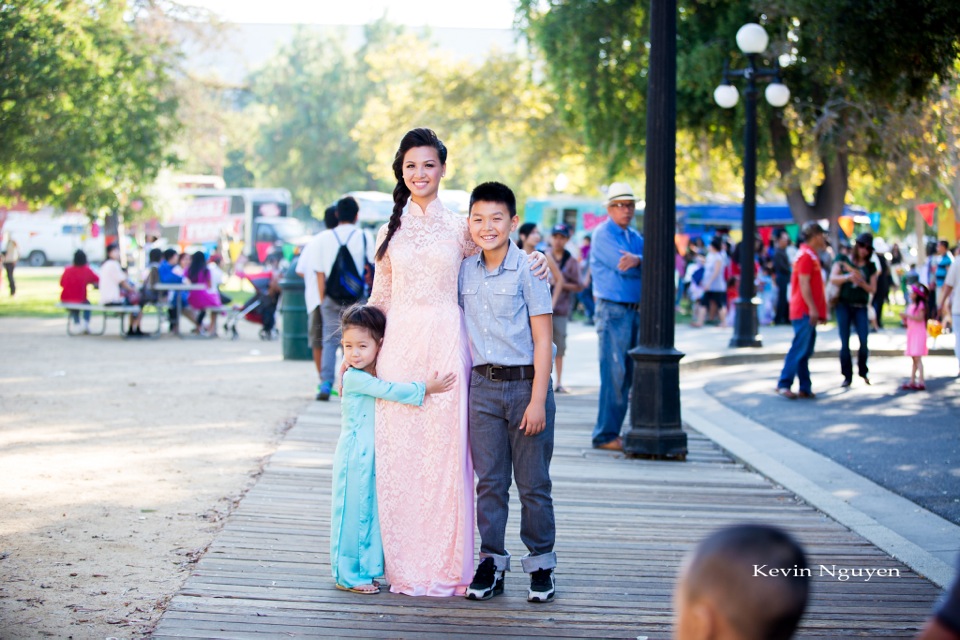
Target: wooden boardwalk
623, 527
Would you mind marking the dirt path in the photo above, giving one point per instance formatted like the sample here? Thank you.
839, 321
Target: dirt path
119, 461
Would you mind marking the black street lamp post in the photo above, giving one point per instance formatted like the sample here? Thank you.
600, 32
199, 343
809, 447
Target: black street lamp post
655, 426
752, 40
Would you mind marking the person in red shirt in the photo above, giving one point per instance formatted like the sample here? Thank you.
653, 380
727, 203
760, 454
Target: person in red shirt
74, 281
808, 308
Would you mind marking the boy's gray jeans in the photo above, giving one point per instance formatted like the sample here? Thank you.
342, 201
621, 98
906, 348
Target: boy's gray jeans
498, 446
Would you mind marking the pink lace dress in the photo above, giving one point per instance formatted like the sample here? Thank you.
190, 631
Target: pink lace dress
424, 471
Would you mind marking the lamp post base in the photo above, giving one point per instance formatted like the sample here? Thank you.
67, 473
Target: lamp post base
655, 427
746, 332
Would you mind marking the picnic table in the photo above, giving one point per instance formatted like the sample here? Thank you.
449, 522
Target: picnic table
105, 311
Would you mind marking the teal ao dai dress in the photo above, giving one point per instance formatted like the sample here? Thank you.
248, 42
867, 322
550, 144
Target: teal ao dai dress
356, 550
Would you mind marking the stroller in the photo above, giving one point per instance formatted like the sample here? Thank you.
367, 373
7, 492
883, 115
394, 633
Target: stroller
260, 308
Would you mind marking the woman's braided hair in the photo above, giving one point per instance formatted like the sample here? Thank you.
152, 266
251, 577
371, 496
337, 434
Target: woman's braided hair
420, 137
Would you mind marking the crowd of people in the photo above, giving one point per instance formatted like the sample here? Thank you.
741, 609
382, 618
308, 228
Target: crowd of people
119, 287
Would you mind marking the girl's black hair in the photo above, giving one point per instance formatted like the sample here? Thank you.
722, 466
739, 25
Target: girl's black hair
79, 258
364, 316
198, 264
525, 229
414, 138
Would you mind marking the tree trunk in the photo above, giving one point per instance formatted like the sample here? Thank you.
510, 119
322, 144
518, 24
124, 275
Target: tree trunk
830, 194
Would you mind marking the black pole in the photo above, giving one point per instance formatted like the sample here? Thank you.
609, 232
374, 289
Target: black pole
655, 427
746, 327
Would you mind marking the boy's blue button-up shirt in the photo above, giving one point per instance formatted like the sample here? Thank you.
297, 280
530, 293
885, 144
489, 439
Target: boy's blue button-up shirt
609, 283
497, 306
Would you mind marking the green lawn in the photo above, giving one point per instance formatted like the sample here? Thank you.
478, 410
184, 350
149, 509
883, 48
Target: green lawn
38, 291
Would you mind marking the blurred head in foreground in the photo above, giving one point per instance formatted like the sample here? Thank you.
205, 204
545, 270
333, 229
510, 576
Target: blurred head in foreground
746, 582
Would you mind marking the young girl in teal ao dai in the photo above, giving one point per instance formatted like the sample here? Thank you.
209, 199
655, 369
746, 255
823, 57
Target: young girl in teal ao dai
356, 551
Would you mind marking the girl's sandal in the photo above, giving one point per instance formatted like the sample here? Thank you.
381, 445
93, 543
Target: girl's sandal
366, 589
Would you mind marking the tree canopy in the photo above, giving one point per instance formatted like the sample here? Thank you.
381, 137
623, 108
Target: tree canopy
329, 119
849, 65
86, 110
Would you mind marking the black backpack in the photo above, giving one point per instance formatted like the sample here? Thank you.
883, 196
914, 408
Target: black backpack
345, 285
148, 292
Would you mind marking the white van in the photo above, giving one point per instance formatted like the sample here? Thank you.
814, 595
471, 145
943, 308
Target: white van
44, 237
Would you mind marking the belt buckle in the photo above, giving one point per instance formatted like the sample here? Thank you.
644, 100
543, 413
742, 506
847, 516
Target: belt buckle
492, 370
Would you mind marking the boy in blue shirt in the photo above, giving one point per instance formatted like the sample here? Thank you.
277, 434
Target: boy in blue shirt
508, 314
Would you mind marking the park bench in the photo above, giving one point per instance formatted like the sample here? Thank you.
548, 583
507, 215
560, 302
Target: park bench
112, 310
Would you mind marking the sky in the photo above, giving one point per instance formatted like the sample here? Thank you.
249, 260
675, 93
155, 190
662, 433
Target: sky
488, 14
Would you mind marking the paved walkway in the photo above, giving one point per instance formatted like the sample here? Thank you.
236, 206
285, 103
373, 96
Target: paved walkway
623, 526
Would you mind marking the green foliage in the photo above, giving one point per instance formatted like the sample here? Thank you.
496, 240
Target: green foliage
852, 63
85, 108
313, 93
496, 122
890, 50
597, 59
332, 119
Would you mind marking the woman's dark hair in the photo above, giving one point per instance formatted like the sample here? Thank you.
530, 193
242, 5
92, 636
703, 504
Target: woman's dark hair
525, 230
198, 264
364, 316
414, 138
330, 217
79, 258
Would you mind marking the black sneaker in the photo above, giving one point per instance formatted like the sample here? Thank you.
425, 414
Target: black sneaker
542, 586
486, 583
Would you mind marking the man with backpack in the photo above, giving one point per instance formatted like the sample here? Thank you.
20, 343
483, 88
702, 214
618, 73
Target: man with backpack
341, 261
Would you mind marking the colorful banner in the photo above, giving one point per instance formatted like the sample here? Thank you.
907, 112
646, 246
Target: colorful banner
846, 223
875, 221
947, 226
793, 231
926, 212
682, 242
765, 233
900, 216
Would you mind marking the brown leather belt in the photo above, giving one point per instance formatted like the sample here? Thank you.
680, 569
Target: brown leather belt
505, 374
633, 306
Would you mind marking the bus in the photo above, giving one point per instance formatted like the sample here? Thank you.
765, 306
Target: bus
248, 222
582, 215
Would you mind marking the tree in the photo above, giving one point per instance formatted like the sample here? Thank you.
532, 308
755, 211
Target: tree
497, 123
86, 111
851, 63
313, 93
333, 118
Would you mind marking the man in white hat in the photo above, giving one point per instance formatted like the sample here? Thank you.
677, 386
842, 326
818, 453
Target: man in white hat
615, 257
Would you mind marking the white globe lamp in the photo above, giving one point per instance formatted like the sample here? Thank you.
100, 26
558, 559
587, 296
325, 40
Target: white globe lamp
726, 95
752, 38
777, 94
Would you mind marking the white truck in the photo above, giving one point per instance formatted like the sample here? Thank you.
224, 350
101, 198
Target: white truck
46, 237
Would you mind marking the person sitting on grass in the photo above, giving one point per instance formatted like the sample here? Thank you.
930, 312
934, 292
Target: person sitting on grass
727, 590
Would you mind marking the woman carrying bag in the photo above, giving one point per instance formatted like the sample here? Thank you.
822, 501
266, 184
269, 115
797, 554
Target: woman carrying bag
857, 278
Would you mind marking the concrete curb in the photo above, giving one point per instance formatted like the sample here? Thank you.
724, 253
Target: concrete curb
706, 361
891, 522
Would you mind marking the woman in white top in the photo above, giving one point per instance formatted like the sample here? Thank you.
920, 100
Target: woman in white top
115, 289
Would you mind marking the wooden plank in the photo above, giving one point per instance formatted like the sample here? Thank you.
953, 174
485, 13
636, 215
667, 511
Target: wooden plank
623, 528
